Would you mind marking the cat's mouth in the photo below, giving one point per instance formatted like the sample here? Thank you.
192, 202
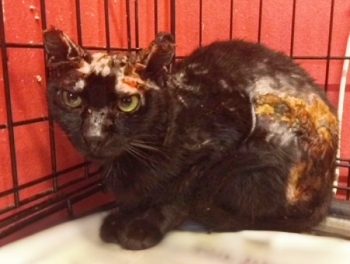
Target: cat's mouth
102, 154
103, 151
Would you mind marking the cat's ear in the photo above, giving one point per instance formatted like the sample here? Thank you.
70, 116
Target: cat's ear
158, 55
60, 47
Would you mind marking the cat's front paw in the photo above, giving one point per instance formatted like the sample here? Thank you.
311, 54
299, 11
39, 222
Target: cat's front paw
130, 233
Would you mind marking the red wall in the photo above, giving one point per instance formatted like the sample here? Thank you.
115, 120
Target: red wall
23, 25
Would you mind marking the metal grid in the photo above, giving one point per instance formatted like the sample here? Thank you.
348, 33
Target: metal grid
40, 205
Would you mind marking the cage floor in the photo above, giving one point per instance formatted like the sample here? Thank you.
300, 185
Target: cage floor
78, 242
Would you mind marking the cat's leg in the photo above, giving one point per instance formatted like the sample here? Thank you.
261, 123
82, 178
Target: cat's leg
140, 229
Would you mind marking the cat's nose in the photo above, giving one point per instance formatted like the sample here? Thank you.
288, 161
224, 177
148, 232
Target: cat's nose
94, 135
93, 128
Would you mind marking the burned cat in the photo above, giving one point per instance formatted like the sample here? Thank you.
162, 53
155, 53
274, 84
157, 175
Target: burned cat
236, 136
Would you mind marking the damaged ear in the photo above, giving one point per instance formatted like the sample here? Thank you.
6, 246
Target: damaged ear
60, 47
158, 55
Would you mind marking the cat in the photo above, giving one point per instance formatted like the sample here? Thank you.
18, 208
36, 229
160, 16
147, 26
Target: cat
235, 137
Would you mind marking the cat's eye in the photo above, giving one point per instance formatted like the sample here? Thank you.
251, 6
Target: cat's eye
71, 99
129, 104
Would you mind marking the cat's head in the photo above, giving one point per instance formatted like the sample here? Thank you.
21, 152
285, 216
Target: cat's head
107, 102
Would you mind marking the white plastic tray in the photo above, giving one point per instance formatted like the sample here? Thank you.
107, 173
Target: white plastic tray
77, 242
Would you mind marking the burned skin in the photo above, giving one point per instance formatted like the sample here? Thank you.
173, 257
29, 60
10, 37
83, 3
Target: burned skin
315, 126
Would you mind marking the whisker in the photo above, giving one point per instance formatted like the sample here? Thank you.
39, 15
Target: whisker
139, 155
144, 145
109, 173
112, 173
119, 172
150, 146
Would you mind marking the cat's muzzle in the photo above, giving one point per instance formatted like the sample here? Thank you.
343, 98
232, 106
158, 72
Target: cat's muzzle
94, 129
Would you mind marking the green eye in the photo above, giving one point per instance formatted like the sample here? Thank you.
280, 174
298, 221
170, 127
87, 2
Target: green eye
129, 104
71, 99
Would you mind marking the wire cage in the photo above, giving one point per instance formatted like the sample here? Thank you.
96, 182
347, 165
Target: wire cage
43, 180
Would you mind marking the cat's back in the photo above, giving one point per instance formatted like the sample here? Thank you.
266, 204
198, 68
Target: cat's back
289, 111
249, 67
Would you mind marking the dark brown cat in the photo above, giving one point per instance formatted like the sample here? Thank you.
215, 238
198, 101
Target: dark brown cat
236, 137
